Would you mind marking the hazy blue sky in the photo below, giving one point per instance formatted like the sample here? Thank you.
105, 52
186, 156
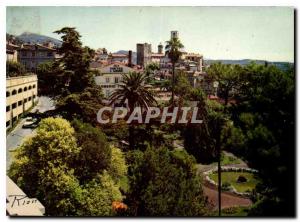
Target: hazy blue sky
216, 32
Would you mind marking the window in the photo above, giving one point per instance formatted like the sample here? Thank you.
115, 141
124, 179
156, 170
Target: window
7, 123
116, 79
24, 53
25, 100
29, 87
107, 79
14, 92
20, 103
29, 98
14, 105
7, 93
25, 88
33, 96
20, 90
33, 54
7, 108
49, 54
33, 86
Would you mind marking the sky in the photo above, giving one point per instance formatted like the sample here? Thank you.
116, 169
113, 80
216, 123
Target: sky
265, 33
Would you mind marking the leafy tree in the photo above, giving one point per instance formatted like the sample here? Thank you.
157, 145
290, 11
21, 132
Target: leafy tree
228, 77
14, 69
42, 167
151, 68
51, 79
182, 88
95, 154
163, 183
98, 196
173, 48
136, 94
75, 60
118, 167
84, 105
200, 139
265, 114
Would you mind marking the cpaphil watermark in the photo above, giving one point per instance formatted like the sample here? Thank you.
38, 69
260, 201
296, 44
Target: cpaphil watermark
179, 115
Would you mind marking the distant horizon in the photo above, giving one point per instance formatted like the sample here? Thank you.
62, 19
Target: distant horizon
218, 33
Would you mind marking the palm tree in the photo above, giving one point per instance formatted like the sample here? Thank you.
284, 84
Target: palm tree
135, 93
173, 52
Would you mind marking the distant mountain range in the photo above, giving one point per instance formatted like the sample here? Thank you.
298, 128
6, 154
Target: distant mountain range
32, 38
281, 65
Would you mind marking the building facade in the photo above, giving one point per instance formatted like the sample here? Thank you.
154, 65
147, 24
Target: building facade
11, 52
110, 77
33, 55
21, 94
118, 57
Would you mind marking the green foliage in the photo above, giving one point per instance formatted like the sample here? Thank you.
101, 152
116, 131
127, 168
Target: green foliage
228, 77
51, 79
98, 196
232, 212
118, 167
14, 69
84, 105
228, 160
150, 69
200, 140
182, 87
134, 91
95, 155
265, 120
70, 73
136, 94
173, 51
226, 186
44, 169
42, 166
75, 60
145, 134
163, 184
232, 177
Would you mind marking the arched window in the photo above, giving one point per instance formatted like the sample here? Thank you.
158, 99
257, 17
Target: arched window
25, 88
20, 90
29, 87
14, 92
33, 86
7, 93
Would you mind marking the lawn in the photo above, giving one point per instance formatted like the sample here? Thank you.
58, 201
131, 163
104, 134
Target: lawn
231, 177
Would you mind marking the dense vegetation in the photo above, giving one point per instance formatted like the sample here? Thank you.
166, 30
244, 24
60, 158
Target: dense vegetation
73, 165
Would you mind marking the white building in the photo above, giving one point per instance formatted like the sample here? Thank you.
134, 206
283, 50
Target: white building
110, 77
21, 94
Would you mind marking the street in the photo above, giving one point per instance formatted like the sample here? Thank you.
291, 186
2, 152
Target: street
15, 138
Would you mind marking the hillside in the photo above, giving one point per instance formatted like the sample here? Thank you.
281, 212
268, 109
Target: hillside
28, 37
